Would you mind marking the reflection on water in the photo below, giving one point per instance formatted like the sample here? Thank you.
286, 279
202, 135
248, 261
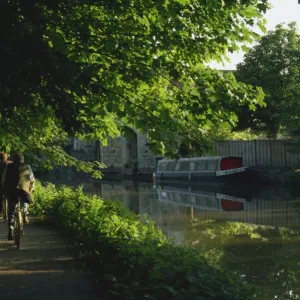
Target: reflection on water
255, 234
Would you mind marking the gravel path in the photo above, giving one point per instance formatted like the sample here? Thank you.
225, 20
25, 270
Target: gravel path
43, 268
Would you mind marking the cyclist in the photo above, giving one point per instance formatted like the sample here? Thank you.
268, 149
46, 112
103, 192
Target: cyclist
3, 163
18, 182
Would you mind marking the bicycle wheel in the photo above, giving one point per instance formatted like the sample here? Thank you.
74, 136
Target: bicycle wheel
22, 222
5, 210
18, 229
2, 210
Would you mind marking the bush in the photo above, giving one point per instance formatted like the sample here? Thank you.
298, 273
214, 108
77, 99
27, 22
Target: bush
132, 259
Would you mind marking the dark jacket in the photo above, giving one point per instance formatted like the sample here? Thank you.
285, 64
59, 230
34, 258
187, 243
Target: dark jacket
18, 176
3, 165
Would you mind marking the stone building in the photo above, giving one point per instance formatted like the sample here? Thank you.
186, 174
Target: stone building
126, 154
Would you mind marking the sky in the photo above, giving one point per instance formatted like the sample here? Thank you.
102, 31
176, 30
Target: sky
282, 11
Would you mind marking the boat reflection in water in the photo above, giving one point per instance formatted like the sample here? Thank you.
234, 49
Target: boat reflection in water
204, 198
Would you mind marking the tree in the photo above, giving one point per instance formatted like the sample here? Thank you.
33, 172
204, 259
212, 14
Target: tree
85, 68
274, 65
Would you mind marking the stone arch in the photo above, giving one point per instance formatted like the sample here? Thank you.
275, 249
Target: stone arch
131, 149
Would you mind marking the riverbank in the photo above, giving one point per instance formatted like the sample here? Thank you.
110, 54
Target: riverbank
132, 259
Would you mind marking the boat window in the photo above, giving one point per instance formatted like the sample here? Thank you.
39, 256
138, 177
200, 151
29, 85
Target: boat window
177, 167
164, 166
172, 197
185, 198
201, 165
192, 165
184, 166
177, 197
211, 165
193, 199
208, 202
163, 195
169, 166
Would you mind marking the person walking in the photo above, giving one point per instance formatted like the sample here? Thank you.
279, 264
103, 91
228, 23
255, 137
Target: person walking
18, 182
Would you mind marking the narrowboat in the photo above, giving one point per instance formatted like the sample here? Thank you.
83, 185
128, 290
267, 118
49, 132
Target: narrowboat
204, 170
203, 199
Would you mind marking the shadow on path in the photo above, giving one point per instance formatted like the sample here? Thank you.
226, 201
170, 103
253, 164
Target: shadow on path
43, 268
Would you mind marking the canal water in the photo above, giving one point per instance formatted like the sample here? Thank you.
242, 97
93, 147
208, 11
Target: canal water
256, 234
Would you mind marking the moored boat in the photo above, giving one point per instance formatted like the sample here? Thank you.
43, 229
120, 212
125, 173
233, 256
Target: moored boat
204, 170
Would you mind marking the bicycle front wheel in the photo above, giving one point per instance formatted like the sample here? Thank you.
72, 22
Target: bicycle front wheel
18, 229
5, 210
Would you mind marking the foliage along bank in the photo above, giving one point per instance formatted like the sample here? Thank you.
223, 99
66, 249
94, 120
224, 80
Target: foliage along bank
132, 258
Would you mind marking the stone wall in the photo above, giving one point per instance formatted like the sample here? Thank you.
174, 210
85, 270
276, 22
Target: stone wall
123, 154
146, 159
83, 150
112, 155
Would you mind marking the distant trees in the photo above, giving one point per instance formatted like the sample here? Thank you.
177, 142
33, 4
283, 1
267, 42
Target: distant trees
274, 65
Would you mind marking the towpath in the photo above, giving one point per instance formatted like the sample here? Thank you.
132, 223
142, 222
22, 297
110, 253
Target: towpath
44, 268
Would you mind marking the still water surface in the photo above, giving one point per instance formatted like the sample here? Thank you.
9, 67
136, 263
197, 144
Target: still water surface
257, 236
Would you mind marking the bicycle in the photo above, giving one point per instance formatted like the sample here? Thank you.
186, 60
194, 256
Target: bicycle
4, 209
18, 224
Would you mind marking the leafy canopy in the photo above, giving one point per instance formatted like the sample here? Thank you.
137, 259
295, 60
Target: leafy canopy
84, 68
